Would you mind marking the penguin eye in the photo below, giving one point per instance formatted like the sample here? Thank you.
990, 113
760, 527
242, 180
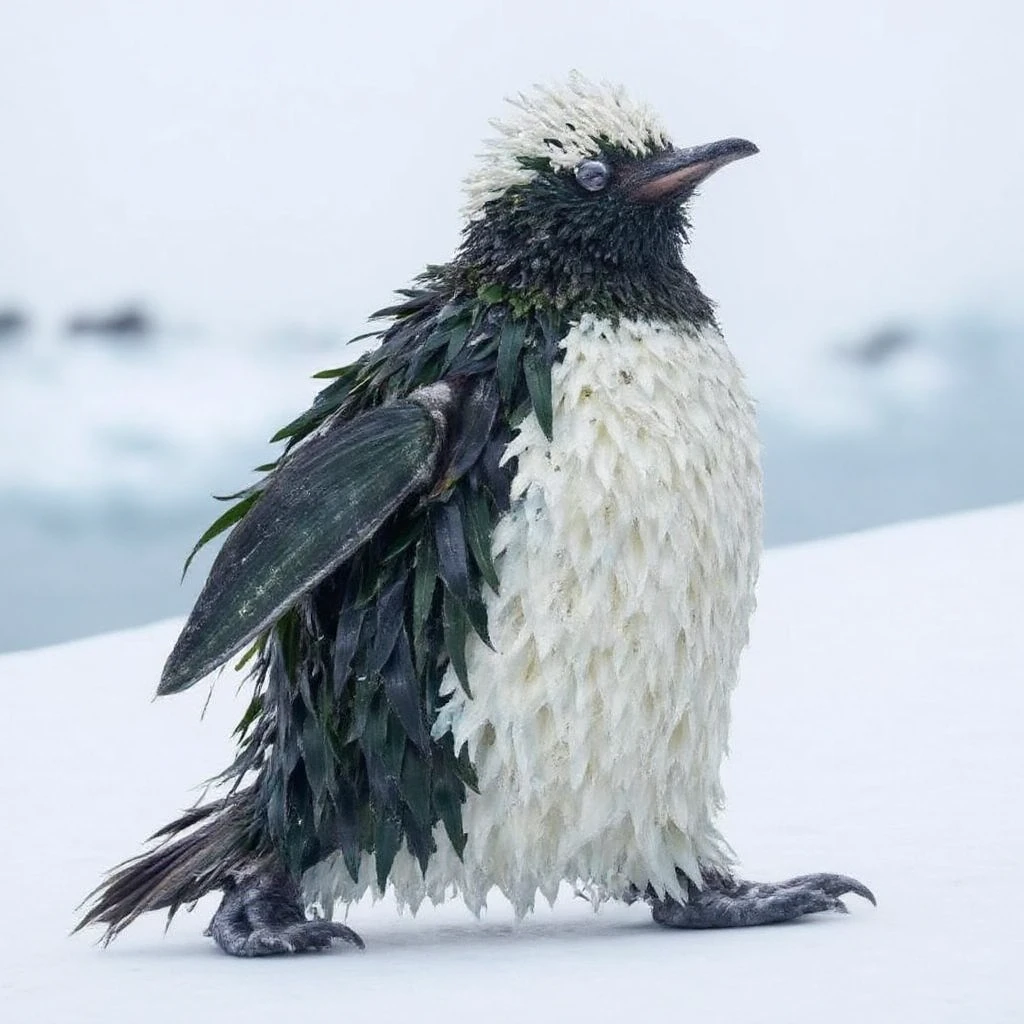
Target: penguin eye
593, 175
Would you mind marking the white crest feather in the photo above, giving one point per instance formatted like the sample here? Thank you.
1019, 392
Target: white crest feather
562, 126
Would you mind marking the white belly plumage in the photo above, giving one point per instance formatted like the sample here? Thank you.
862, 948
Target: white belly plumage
627, 562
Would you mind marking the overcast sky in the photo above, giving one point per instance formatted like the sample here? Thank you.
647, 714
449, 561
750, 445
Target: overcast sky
255, 163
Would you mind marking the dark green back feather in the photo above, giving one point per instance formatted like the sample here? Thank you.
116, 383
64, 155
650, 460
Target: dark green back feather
347, 679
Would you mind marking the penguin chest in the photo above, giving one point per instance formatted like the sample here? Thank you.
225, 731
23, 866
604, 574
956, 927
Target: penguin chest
627, 565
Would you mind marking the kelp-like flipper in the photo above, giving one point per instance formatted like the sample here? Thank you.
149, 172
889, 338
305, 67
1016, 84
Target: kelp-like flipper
327, 498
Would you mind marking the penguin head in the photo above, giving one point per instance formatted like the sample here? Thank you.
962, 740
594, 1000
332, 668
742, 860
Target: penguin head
579, 204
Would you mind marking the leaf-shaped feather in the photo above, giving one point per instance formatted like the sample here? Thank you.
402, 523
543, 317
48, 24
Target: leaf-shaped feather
346, 640
456, 339
453, 565
495, 474
476, 612
433, 343
329, 399
538, 383
254, 709
390, 615
510, 345
347, 825
452, 309
477, 523
476, 420
387, 839
416, 786
382, 779
324, 502
465, 770
424, 583
365, 691
403, 692
301, 677
451, 550
417, 300
274, 803
317, 760
395, 742
448, 804
456, 628
552, 330
220, 524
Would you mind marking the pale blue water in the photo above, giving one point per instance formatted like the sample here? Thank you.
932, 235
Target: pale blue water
107, 464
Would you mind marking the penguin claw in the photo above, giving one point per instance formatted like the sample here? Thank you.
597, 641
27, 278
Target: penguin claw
732, 903
264, 942
320, 935
834, 885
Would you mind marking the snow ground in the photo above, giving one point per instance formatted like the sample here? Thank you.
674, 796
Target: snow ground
876, 733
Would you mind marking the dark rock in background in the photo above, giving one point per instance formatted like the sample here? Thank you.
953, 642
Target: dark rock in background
13, 324
131, 323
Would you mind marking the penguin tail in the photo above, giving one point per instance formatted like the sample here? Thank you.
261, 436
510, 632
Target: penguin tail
203, 850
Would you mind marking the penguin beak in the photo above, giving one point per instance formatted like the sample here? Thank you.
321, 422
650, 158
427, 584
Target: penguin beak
675, 173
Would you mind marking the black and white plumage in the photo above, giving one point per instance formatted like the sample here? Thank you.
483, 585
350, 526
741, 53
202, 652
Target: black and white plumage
495, 591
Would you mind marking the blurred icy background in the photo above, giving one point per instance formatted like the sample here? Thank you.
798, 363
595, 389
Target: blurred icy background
235, 185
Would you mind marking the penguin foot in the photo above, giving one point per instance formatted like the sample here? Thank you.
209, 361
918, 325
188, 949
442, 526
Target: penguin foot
726, 902
262, 915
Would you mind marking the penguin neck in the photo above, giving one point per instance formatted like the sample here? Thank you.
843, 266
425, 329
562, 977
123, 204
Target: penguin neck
634, 274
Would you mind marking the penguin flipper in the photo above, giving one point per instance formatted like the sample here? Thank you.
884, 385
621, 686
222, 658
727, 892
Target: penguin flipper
330, 495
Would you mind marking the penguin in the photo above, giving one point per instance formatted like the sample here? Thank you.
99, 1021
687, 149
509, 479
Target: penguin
492, 594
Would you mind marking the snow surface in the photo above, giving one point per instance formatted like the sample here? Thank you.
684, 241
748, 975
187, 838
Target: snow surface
876, 733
